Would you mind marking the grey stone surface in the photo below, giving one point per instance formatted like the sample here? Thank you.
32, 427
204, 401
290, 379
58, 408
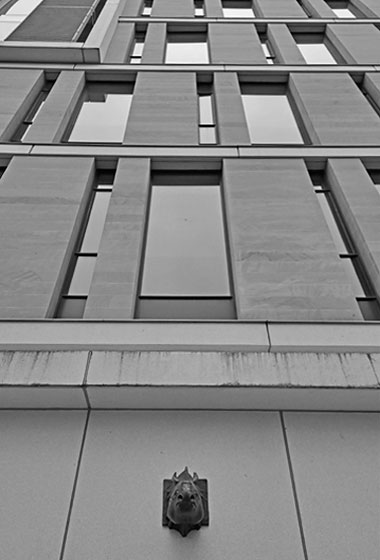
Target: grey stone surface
18, 90
283, 45
114, 285
235, 43
358, 44
318, 8
173, 8
132, 8
213, 8
42, 204
155, 43
278, 8
121, 44
173, 117
55, 114
333, 110
370, 8
230, 117
284, 261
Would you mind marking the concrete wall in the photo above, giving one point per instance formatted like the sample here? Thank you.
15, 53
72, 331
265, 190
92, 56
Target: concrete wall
213, 8
132, 8
230, 117
173, 8
18, 91
121, 44
105, 501
318, 8
114, 286
333, 109
173, 117
369, 8
54, 20
283, 45
235, 43
155, 44
283, 257
278, 8
42, 205
358, 44
55, 114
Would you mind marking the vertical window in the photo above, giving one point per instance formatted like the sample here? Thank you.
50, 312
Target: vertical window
269, 115
363, 290
103, 113
267, 50
314, 49
31, 114
207, 127
186, 48
199, 10
77, 285
185, 272
238, 9
137, 49
14, 13
147, 8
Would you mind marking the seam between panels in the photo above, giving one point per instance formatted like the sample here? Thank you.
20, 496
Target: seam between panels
294, 489
76, 477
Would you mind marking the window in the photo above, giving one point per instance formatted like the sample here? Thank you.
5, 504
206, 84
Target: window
103, 113
14, 13
363, 290
78, 282
185, 273
199, 10
314, 49
187, 48
32, 114
238, 9
343, 9
269, 115
137, 49
147, 8
267, 51
375, 176
207, 127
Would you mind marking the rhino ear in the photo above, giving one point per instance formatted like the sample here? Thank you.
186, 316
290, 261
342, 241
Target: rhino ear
175, 477
195, 477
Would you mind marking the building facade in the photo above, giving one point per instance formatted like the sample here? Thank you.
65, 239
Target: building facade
190, 276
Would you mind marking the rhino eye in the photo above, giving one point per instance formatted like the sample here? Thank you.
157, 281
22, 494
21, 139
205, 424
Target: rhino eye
180, 497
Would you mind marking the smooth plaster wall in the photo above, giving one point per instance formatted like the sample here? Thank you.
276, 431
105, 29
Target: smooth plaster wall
278, 8
235, 43
18, 90
333, 109
172, 119
284, 261
54, 20
42, 203
358, 44
114, 286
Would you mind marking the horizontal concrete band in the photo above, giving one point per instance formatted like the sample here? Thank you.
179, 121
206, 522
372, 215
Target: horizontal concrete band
50, 335
186, 380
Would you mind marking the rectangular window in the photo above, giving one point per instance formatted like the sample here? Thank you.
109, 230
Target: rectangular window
147, 8
137, 49
207, 126
185, 272
238, 9
199, 10
32, 114
269, 115
363, 290
314, 48
375, 177
78, 283
343, 9
267, 50
187, 48
103, 113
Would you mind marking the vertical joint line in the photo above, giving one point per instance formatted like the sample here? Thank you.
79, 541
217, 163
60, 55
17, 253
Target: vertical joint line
76, 477
293, 483
85, 379
268, 335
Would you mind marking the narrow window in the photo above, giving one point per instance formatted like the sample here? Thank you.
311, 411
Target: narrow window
238, 9
147, 8
343, 9
103, 113
375, 176
269, 115
207, 126
77, 285
187, 48
363, 290
199, 10
31, 114
14, 13
185, 271
314, 49
137, 49
267, 51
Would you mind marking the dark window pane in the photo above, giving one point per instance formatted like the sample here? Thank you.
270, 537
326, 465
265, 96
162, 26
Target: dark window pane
188, 308
82, 276
71, 308
96, 221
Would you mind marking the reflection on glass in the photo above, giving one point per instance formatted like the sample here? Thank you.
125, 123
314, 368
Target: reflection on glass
238, 13
316, 53
96, 221
199, 10
207, 135
193, 50
138, 47
267, 53
270, 120
103, 119
82, 276
15, 15
205, 110
343, 13
185, 247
